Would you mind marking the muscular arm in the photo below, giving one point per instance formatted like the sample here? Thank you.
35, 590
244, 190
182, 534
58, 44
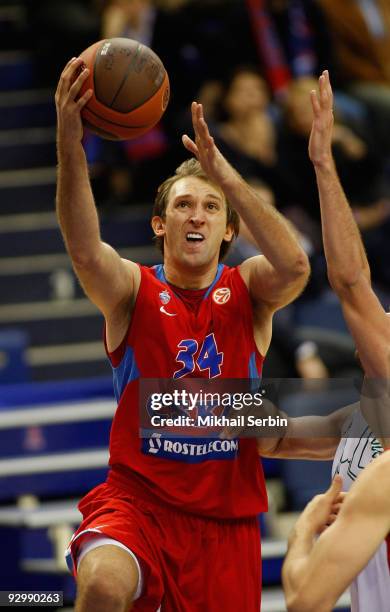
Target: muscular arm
308, 437
341, 552
348, 269
280, 273
109, 281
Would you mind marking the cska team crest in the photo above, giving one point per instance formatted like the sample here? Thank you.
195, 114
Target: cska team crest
164, 296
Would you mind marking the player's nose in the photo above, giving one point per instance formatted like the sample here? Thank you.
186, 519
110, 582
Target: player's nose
197, 216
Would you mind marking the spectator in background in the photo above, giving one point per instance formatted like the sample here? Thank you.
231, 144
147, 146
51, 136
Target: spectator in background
246, 131
361, 33
284, 38
61, 29
130, 19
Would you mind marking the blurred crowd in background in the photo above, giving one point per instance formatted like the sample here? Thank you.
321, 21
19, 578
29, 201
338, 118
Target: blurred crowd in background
252, 63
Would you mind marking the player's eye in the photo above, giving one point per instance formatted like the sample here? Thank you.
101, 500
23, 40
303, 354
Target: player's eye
212, 206
182, 204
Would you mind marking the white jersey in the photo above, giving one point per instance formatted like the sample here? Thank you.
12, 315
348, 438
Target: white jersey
371, 588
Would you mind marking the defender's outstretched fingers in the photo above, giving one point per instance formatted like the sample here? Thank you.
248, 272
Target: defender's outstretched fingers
328, 84
315, 103
326, 96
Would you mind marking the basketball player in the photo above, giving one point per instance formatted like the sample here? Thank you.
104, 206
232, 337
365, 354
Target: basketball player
349, 275
175, 526
317, 571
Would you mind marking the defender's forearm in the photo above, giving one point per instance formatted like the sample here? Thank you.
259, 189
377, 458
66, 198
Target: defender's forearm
75, 204
273, 234
295, 566
344, 250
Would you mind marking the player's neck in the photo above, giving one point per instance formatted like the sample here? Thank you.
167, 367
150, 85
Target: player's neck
190, 278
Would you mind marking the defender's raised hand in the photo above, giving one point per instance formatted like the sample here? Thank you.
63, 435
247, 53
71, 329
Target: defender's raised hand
204, 149
320, 143
68, 102
323, 509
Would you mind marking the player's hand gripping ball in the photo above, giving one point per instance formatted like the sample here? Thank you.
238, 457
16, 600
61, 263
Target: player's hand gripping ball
130, 88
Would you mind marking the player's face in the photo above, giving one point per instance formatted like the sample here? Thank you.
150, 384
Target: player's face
195, 223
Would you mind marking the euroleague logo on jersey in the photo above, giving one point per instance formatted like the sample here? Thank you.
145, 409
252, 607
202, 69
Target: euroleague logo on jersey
222, 295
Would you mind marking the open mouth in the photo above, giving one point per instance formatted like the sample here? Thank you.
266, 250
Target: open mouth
194, 237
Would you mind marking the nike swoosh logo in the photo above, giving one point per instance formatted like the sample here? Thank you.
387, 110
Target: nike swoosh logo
170, 314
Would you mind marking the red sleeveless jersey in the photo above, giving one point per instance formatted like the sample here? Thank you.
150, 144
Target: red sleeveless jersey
168, 339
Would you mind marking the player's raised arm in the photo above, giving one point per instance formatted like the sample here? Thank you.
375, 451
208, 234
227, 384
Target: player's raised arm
340, 552
278, 276
109, 281
348, 268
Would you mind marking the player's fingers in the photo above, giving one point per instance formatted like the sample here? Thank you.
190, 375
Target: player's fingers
78, 83
72, 59
195, 115
325, 92
84, 98
68, 76
332, 518
341, 497
322, 90
203, 138
190, 145
60, 85
336, 508
315, 103
328, 86
72, 69
335, 488
202, 134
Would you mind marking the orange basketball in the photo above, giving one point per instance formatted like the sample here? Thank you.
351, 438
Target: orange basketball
130, 88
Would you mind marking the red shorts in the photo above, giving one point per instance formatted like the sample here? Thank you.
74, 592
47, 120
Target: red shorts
189, 563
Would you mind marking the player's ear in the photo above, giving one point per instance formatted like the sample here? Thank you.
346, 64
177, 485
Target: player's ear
229, 233
158, 226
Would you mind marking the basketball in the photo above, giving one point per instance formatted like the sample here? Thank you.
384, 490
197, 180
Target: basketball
130, 88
